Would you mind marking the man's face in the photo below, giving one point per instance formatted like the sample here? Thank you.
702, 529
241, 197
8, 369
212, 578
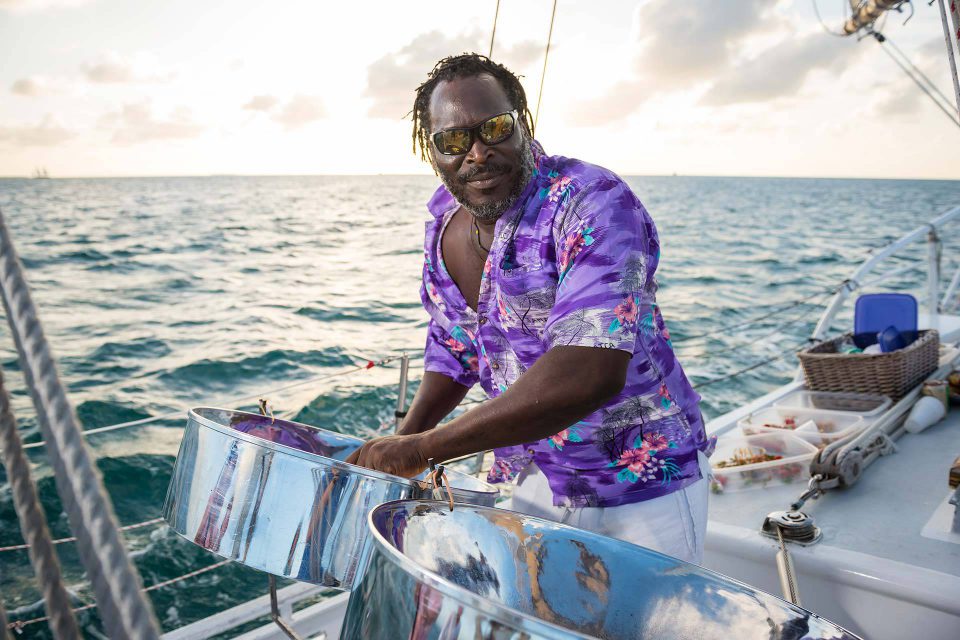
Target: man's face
486, 180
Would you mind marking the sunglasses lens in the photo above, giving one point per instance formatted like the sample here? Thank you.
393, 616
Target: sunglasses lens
497, 129
452, 141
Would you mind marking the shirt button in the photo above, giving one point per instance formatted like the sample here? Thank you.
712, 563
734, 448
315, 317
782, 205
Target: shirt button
494, 365
530, 451
482, 321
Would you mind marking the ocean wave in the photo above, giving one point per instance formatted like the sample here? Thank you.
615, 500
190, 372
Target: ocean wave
277, 364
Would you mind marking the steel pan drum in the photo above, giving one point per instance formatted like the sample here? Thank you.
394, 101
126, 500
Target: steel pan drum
276, 495
480, 572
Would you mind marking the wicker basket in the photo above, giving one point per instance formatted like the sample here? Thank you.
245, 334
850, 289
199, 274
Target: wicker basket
891, 374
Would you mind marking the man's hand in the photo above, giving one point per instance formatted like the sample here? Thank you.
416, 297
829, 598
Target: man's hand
398, 455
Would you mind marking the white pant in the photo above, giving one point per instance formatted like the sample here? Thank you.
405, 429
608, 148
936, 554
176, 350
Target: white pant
674, 524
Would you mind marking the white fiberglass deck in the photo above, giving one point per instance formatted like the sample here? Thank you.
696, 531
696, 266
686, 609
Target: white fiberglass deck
876, 570
883, 514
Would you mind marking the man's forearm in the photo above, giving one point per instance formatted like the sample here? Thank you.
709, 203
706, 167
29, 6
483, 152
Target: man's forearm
545, 400
437, 396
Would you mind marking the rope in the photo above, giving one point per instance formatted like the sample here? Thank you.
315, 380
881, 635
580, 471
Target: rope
493, 34
881, 39
166, 583
116, 583
33, 524
230, 401
543, 74
955, 14
129, 527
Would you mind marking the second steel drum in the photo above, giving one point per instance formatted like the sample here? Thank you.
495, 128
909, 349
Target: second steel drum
277, 495
490, 574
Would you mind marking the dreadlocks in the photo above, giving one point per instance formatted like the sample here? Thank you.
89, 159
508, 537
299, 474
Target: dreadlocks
462, 66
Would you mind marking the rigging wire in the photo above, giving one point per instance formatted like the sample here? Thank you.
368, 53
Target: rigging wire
816, 10
493, 34
917, 69
789, 352
777, 329
543, 74
231, 401
881, 38
749, 321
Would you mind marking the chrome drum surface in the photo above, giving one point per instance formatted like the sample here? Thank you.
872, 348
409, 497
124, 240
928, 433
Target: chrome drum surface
276, 495
487, 573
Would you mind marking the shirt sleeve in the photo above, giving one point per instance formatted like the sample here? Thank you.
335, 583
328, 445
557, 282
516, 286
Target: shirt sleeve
607, 252
452, 354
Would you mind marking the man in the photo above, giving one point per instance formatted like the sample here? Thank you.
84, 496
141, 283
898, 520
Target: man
538, 278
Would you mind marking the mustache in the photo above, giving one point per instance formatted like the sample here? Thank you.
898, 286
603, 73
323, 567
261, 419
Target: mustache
482, 173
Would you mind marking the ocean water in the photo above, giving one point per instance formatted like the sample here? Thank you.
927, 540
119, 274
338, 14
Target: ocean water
163, 293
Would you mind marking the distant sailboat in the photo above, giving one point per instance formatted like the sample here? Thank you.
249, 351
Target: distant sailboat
40, 173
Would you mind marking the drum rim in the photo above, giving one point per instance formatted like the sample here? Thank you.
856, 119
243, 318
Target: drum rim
293, 451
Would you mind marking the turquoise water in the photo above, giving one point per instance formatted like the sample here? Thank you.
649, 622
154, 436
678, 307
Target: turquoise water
162, 293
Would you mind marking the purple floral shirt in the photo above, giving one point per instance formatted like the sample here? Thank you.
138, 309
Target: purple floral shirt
571, 263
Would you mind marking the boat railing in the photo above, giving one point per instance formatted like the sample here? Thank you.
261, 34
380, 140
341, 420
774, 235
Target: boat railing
935, 304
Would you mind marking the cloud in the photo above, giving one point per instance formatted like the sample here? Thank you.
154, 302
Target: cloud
112, 68
719, 49
261, 103
617, 103
392, 80
300, 111
32, 86
781, 70
683, 42
23, 6
49, 132
135, 123
899, 100
680, 45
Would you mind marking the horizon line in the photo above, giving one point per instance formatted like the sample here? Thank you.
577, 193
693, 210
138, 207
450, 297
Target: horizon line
418, 175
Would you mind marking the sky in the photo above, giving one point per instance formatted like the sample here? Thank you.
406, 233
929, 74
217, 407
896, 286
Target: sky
657, 87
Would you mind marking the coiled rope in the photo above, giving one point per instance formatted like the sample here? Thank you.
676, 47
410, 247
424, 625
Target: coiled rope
33, 524
125, 611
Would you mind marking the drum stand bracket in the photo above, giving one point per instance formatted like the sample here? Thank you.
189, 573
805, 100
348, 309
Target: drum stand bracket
275, 612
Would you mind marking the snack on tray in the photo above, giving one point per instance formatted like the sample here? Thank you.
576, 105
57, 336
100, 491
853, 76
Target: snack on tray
747, 455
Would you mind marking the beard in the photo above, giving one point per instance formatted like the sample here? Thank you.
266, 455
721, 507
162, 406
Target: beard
491, 211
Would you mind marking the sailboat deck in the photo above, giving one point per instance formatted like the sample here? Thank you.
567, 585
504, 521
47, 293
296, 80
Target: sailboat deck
884, 513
